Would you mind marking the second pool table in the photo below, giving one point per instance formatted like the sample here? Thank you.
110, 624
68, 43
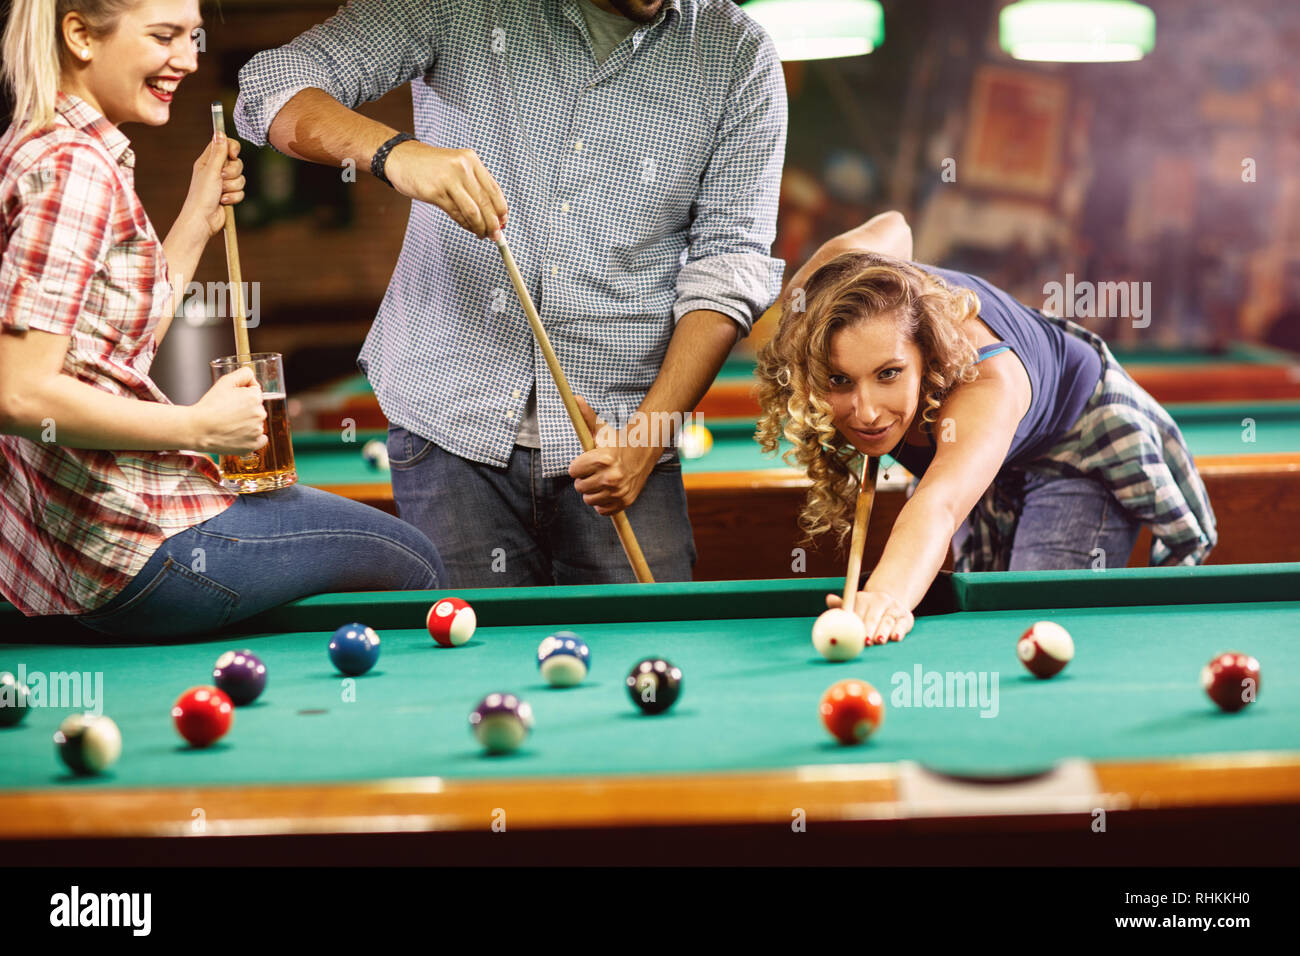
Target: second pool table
744, 505
1239, 372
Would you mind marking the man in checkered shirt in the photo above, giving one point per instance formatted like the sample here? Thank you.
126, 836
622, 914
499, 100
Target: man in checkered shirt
634, 149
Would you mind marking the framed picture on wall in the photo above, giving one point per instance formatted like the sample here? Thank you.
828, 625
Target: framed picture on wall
1015, 138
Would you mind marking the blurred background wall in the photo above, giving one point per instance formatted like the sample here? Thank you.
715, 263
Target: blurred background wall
1182, 170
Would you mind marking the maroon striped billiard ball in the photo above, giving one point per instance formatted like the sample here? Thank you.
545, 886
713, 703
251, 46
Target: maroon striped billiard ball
1231, 680
1045, 649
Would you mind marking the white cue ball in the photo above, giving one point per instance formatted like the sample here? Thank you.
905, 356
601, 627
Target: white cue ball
1045, 649
375, 454
839, 635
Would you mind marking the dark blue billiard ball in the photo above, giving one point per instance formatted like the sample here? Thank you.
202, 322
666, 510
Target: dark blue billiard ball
654, 685
241, 675
564, 659
13, 700
354, 649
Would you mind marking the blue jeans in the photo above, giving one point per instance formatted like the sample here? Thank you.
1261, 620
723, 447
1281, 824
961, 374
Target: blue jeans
264, 550
512, 527
1068, 524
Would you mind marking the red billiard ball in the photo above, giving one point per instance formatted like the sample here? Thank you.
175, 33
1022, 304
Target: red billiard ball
203, 715
852, 710
1045, 649
1231, 680
451, 622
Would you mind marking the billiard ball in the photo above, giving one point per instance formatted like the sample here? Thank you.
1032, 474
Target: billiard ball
563, 658
203, 715
500, 722
839, 635
375, 454
852, 710
1231, 680
1045, 648
241, 675
654, 685
354, 649
13, 700
451, 622
88, 743
695, 441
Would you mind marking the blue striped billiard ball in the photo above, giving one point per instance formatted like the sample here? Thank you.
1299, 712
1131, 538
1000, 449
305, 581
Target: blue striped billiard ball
564, 659
354, 649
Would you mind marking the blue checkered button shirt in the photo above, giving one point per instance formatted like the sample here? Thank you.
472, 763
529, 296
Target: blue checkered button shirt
639, 190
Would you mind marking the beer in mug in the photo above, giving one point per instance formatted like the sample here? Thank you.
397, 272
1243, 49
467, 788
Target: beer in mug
271, 466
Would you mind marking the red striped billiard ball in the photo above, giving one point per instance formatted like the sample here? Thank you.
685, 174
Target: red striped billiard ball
203, 715
1045, 649
1231, 680
852, 710
451, 622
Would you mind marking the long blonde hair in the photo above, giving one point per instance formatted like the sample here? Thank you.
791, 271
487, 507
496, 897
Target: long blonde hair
794, 367
34, 52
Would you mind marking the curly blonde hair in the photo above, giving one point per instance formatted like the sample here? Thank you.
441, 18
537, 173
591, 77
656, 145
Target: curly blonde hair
794, 368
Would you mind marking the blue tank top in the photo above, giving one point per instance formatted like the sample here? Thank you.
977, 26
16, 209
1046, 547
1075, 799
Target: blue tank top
1063, 372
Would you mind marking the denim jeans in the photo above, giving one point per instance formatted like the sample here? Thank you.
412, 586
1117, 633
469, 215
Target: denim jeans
512, 527
1068, 524
264, 550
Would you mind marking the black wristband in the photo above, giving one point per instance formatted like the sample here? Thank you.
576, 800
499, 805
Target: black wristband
381, 156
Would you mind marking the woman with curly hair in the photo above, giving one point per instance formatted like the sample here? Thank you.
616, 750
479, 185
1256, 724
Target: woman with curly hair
1034, 449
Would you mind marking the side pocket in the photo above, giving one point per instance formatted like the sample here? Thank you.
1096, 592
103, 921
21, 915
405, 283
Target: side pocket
406, 450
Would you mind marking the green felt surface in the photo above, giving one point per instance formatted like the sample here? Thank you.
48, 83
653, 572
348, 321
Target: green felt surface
324, 458
751, 688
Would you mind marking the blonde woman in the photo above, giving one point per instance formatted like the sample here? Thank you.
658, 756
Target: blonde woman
1034, 449
102, 515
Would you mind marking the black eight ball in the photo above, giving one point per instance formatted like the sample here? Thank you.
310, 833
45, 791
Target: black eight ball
654, 685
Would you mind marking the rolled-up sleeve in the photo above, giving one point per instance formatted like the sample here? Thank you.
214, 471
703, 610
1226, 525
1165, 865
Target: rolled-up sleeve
362, 52
60, 237
729, 268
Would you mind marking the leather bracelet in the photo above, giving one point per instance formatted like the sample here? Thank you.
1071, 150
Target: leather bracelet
380, 158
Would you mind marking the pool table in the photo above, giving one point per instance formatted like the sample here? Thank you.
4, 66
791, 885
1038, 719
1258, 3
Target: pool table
1241, 372
1121, 758
744, 505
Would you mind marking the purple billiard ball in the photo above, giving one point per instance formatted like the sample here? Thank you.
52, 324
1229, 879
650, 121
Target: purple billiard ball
241, 675
501, 722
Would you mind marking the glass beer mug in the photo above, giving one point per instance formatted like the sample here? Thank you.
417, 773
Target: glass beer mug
272, 466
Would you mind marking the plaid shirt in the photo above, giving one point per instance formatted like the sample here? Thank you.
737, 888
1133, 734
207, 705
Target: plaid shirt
640, 189
1128, 442
79, 257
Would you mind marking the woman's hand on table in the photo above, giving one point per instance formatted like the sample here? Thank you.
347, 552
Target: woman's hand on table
228, 419
885, 618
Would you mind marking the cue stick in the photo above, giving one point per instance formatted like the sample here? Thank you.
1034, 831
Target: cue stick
232, 254
624, 528
861, 518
